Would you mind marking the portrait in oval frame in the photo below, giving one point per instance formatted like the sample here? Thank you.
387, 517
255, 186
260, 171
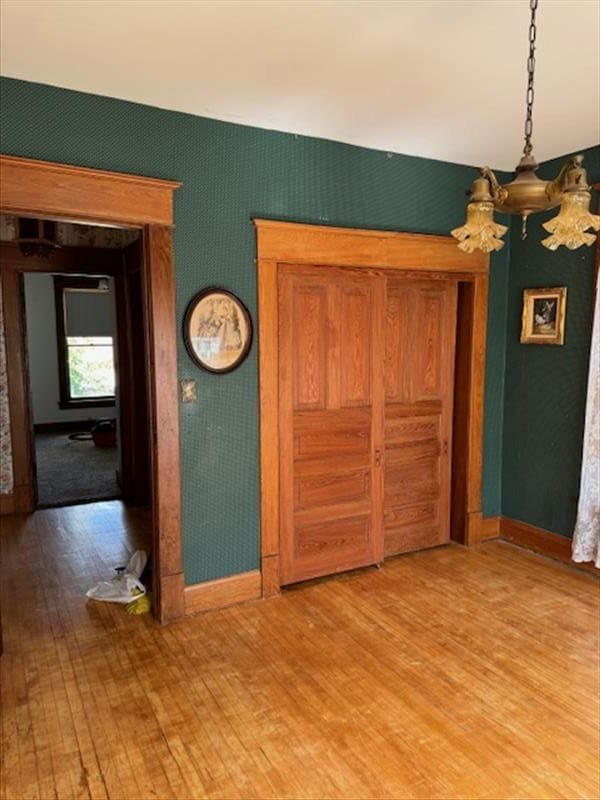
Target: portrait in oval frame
217, 330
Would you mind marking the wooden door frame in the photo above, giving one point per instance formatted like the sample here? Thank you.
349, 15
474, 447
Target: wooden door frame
78, 194
415, 255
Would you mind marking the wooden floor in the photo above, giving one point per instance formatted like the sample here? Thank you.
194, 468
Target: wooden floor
451, 673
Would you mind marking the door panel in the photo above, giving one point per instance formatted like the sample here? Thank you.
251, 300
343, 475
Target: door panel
331, 396
310, 339
366, 367
420, 331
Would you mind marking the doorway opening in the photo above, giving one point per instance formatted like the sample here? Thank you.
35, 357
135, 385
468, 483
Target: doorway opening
283, 246
83, 325
84, 344
57, 193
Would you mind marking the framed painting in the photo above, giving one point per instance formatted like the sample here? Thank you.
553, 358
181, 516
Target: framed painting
543, 319
217, 330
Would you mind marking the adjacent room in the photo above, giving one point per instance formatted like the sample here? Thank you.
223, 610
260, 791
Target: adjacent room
299, 399
73, 381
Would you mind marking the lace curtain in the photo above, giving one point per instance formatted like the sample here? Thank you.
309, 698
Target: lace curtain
6, 468
586, 538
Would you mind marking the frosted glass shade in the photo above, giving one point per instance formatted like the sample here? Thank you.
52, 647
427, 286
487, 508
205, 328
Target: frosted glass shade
480, 232
569, 226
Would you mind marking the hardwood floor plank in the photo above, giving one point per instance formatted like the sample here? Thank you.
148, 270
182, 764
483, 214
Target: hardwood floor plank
451, 673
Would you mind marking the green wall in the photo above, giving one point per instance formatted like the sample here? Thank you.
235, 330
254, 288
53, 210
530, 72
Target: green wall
231, 173
545, 387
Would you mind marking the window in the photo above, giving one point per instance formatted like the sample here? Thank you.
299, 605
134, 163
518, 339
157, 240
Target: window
84, 323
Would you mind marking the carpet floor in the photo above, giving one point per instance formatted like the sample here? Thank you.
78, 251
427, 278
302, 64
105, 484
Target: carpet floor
70, 471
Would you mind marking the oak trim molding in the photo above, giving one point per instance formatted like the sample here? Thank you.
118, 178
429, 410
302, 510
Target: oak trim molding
298, 243
490, 528
541, 541
222, 592
70, 193
30, 187
413, 255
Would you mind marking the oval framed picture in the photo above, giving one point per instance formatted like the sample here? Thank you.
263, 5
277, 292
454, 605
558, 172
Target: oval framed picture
217, 330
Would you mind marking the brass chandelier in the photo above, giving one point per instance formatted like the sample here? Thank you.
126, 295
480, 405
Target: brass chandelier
527, 194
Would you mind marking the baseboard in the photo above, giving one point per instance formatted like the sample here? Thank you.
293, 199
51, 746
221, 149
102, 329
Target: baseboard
222, 593
7, 504
490, 528
70, 426
171, 597
21, 501
540, 541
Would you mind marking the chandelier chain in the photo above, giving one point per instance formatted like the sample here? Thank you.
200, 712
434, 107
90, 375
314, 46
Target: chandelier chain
530, 76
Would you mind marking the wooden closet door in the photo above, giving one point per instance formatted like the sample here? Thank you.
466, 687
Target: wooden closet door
331, 396
420, 333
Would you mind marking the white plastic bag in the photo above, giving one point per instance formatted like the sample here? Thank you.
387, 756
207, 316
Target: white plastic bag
125, 587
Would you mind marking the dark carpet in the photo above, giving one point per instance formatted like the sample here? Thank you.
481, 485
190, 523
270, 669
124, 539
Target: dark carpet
71, 471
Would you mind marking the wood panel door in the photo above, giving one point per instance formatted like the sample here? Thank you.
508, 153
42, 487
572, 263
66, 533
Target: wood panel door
420, 334
331, 405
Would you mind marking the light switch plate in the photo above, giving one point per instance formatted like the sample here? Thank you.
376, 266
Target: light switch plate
189, 393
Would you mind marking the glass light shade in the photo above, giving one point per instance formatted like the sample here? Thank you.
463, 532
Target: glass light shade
569, 226
480, 232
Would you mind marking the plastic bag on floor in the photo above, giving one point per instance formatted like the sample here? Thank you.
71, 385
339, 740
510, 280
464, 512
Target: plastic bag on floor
124, 587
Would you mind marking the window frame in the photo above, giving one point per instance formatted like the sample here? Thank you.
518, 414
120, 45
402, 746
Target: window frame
62, 282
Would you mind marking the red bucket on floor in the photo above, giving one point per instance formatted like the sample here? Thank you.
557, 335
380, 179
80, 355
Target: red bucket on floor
104, 433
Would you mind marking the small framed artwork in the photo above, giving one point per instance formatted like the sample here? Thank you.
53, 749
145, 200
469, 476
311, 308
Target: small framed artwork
543, 320
217, 330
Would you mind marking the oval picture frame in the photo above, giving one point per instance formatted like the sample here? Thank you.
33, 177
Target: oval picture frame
217, 330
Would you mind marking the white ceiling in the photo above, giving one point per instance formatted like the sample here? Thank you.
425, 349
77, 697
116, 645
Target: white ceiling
438, 78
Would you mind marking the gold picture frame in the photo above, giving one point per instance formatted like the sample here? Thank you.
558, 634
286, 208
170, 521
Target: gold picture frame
543, 319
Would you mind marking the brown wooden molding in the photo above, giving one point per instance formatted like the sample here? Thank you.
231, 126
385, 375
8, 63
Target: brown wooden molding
69, 193
21, 501
164, 409
69, 426
7, 504
540, 541
270, 575
414, 255
473, 528
490, 528
320, 244
223, 592
30, 187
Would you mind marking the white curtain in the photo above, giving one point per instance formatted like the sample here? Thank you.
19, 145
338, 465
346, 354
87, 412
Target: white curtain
586, 538
6, 465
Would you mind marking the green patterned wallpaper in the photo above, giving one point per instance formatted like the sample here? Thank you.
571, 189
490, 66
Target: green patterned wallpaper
546, 386
231, 173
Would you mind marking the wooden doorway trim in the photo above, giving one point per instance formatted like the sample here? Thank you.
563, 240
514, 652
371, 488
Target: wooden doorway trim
77, 194
417, 255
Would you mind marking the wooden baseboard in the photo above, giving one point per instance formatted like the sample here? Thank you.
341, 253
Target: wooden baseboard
270, 576
21, 501
172, 601
540, 541
223, 592
473, 528
7, 504
490, 528
69, 426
